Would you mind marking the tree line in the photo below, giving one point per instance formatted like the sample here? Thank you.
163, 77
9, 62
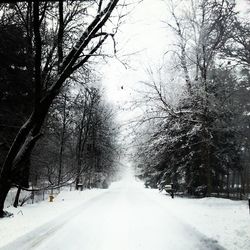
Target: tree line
196, 137
50, 93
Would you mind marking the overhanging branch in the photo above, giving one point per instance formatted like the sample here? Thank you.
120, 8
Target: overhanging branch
92, 52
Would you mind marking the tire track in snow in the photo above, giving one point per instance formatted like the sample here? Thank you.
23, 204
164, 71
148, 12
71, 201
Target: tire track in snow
206, 243
123, 218
32, 239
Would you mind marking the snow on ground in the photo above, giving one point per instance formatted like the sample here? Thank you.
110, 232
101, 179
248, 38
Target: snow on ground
223, 220
128, 217
31, 216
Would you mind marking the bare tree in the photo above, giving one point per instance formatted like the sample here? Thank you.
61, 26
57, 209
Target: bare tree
87, 44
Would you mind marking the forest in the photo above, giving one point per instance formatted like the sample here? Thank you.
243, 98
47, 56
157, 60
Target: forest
124, 124
196, 137
56, 127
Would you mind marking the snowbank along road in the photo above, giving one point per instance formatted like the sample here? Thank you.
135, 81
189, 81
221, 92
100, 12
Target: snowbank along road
126, 217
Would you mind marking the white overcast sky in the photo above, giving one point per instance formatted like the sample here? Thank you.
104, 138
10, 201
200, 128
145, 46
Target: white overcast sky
143, 32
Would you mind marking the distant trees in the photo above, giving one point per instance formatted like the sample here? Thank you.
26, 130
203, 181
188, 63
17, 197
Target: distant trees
196, 143
76, 148
60, 38
100, 151
95, 141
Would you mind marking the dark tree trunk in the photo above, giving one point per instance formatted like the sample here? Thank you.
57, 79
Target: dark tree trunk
16, 202
62, 142
4, 189
60, 35
30, 132
208, 169
228, 184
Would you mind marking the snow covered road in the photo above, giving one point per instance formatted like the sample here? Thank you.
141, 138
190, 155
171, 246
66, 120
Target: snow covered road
126, 217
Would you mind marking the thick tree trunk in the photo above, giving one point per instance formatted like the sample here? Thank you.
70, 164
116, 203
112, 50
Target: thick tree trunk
60, 35
30, 131
20, 151
16, 202
4, 189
